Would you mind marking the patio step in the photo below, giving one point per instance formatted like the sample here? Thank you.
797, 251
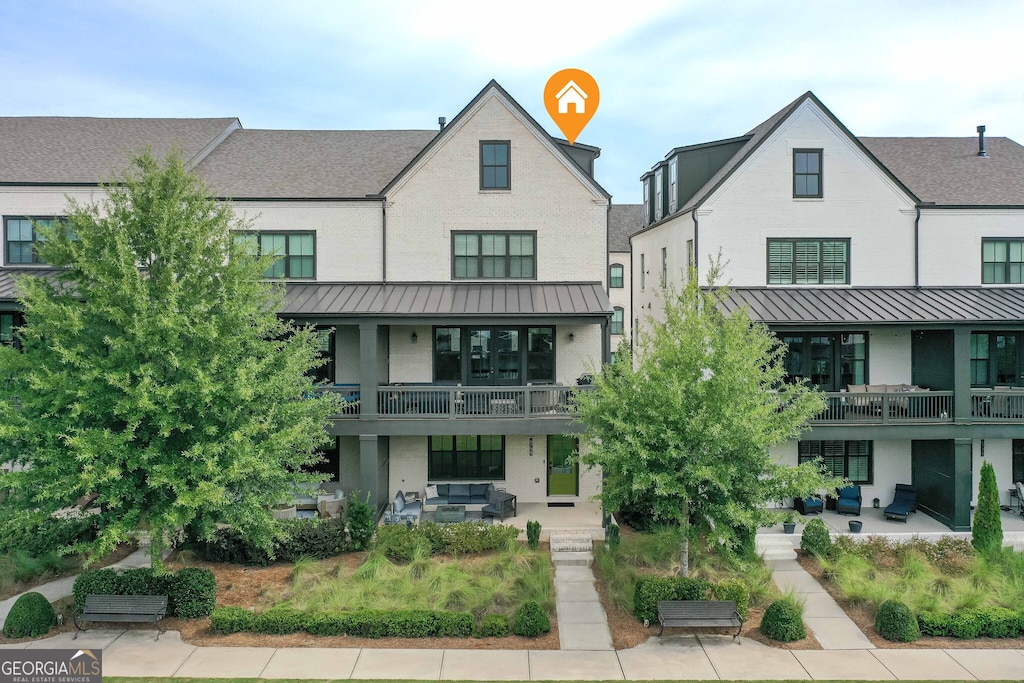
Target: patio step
777, 546
576, 542
595, 533
571, 559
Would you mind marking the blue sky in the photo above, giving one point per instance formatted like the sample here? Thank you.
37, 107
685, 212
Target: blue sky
671, 73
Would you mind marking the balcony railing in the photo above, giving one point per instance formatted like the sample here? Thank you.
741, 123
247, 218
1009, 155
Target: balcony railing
887, 408
462, 402
997, 405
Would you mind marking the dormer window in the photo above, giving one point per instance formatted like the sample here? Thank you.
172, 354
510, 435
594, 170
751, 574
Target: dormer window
807, 173
647, 201
495, 172
673, 181
659, 207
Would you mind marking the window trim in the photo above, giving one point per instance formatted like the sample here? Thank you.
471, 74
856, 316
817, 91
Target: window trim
285, 256
621, 322
821, 255
508, 166
611, 276
431, 477
1005, 264
506, 234
659, 194
992, 367
36, 261
821, 172
673, 184
846, 456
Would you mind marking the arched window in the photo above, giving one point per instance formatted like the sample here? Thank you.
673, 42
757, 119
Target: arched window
615, 276
617, 320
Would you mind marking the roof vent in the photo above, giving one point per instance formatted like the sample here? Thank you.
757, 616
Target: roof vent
441, 121
981, 142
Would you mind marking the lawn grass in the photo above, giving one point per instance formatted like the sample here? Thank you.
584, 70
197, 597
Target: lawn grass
495, 583
122, 679
935, 577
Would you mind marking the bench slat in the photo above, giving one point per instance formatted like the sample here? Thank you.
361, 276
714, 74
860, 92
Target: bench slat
123, 608
702, 613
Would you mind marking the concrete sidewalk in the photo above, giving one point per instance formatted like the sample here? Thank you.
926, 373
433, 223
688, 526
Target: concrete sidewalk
136, 653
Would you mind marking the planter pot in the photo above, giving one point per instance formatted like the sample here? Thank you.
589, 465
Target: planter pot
790, 527
855, 526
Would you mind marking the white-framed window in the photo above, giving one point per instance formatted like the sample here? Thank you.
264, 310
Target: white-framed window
659, 206
664, 266
673, 178
643, 273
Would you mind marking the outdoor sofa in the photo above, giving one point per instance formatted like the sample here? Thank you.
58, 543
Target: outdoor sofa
459, 494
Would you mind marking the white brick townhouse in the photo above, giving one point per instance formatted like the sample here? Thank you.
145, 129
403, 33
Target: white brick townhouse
459, 276
891, 268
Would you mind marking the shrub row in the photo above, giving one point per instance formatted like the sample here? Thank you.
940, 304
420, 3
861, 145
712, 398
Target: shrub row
39, 534
400, 542
648, 590
191, 592
978, 622
361, 623
294, 538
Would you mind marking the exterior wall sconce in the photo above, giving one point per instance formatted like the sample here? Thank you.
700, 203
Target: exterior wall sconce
572, 337
414, 338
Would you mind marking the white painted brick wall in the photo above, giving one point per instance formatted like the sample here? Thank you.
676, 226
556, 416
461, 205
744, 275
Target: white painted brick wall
998, 452
346, 359
951, 242
444, 195
621, 296
648, 301
889, 355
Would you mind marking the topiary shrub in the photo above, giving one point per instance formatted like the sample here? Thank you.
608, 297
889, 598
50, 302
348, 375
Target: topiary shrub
736, 590
192, 593
895, 622
783, 621
530, 620
533, 534
493, 626
231, 620
815, 539
987, 530
31, 616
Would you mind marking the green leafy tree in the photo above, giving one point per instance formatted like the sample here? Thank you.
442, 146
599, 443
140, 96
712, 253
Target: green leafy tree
684, 429
987, 532
155, 373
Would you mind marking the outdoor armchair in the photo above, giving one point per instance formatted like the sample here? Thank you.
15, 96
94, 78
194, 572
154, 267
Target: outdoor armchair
849, 500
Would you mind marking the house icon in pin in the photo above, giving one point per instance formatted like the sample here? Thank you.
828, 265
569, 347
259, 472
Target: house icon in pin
571, 94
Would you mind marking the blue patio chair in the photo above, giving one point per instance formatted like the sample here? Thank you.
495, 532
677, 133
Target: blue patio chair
903, 503
849, 500
808, 506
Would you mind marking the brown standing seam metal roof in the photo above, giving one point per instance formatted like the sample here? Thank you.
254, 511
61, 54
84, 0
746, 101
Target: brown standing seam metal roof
57, 149
8, 291
879, 305
949, 171
623, 221
310, 164
423, 299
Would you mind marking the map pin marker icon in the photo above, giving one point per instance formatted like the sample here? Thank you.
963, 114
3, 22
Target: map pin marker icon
571, 97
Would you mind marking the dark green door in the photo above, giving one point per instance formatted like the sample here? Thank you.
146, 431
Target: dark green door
563, 467
931, 359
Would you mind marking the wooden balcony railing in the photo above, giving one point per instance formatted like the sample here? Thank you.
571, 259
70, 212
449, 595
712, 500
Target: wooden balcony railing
913, 407
1005, 404
461, 402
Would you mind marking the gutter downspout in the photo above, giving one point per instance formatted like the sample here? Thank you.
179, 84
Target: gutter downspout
384, 238
917, 246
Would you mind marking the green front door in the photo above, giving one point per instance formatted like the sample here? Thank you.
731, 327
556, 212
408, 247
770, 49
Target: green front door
563, 467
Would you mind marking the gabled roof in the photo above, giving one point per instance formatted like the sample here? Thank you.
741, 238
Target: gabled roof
623, 221
879, 305
949, 171
494, 87
310, 164
56, 150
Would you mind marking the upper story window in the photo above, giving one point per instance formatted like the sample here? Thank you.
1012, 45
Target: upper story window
20, 237
831, 361
664, 266
807, 173
618, 320
9, 324
690, 259
808, 262
643, 273
659, 207
1002, 261
616, 279
647, 200
295, 252
673, 181
494, 355
997, 359
495, 165
326, 347
494, 255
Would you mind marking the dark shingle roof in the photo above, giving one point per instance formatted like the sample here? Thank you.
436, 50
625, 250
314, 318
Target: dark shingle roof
432, 300
623, 221
310, 163
54, 149
879, 305
949, 170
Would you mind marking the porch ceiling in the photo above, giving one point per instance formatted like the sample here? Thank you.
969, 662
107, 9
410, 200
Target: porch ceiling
575, 299
880, 305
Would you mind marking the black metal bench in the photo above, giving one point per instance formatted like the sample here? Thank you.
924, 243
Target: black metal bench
673, 613
125, 608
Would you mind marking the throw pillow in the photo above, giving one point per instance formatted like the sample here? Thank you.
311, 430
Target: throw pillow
430, 492
399, 502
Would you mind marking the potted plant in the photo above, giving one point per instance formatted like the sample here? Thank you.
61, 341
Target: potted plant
855, 526
789, 523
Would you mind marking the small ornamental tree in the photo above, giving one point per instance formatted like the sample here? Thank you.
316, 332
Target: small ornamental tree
684, 430
155, 373
987, 532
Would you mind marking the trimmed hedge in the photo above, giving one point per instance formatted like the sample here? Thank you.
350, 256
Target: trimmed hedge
359, 623
895, 622
191, 592
31, 616
648, 590
295, 538
782, 621
815, 539
530, 620
400, 542
733, 589
493, 626
990, 622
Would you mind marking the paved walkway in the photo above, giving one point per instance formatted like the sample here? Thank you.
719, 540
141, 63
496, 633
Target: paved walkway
582, 623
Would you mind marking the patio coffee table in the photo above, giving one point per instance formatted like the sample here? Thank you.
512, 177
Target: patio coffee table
450, 513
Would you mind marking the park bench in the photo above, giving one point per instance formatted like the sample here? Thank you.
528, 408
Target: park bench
674, 613
136, 608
